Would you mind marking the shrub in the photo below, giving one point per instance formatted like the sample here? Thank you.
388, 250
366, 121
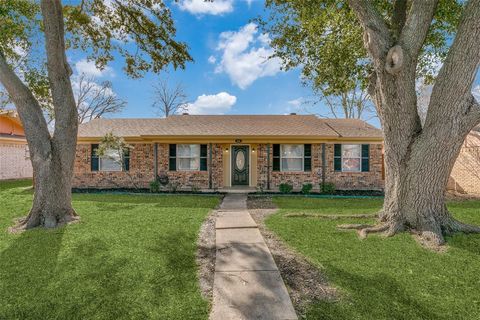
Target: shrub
307, 188
327, 187
154, 186
285, 188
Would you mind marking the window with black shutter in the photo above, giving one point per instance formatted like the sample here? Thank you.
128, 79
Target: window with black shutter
337, 157
126, 160
365, 157
172, 157
203, 157
94, 160
307, 157
276, 157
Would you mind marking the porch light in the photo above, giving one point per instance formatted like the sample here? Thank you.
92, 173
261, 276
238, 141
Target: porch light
253, 150
226, 149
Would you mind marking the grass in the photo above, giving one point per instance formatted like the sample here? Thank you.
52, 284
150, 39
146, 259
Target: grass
381, 278
130, 257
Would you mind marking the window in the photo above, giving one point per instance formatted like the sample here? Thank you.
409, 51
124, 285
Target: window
291, 157
352, 157
188, 157
111, 161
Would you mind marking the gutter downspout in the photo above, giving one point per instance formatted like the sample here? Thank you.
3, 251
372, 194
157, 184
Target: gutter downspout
210, 166
324, 165
268, 166
155, 164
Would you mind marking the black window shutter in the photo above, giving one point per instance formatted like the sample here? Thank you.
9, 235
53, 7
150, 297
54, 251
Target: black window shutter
94, 158
203, 157
126, 160
276, 157
337, 157
365, 157
172, 159
307, 157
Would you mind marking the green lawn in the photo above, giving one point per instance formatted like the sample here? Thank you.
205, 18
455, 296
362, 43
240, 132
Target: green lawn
380, 278
130, 257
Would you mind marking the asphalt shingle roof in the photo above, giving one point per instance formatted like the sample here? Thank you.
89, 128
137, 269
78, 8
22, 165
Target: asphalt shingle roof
231, 125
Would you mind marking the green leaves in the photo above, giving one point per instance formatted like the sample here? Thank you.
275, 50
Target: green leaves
324, 38
142, 32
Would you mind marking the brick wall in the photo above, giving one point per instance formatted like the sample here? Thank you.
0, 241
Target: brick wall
371, 180
141, 171
14, 161
465, 177
139, 175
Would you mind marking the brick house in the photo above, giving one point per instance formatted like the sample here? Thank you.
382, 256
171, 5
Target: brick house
14, 155
229, 151
465, 177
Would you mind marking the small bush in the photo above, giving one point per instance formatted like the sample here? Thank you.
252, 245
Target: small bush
307, 188
327, 188
285, 188
154, 186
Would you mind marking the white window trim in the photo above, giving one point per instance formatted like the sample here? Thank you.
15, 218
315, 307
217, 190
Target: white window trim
182, 157
108, 170
359, 158
301, 157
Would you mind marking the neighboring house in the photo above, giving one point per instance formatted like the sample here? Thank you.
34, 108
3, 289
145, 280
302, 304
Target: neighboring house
226, 151
14, 156
465, 177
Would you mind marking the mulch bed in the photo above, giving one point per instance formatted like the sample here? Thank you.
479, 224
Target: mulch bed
305, 282
206, 256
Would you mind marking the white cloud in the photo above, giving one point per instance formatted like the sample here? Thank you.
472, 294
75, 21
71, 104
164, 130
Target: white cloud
90, 69
201, 7
212, 59
296, 103
245, 56
212, 104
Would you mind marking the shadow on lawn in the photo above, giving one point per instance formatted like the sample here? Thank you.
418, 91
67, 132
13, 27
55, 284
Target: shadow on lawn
387, 299
84, 282
27, 269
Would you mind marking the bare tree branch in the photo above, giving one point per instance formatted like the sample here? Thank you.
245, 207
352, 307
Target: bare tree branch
169, 100
95, 100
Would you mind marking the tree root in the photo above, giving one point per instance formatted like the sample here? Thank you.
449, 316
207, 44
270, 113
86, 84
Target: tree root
330, 216
363, 230
36, 220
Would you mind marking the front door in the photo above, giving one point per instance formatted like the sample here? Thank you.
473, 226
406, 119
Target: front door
240, 166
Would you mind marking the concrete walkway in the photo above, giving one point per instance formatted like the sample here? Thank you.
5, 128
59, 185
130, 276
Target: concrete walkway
247, 282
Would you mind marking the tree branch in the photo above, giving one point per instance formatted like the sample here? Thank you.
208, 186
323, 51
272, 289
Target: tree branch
416, 26
377, 36
399, 16
59, 71
29, 110
451, 95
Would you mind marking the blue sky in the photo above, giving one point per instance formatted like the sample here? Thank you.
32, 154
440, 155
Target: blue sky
230, 73
229, 68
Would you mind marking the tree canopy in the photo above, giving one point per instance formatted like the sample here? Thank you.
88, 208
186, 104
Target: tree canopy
325, 39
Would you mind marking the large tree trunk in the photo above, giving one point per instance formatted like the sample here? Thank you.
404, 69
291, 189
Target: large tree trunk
419, 160
52, 156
